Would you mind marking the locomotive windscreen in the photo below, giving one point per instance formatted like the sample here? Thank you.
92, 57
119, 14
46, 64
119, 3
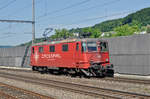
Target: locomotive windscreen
92, 46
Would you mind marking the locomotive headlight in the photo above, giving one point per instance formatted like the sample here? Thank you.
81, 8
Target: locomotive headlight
106, 59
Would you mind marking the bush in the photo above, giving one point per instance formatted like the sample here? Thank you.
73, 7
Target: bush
148, 29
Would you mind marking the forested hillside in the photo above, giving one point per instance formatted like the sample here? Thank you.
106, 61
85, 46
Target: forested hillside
141, 18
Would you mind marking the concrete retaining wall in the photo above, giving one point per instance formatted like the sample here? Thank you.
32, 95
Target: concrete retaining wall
13, 56
131, 55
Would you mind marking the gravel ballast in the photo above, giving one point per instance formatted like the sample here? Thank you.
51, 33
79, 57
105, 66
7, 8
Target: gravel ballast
48, 91
62, 94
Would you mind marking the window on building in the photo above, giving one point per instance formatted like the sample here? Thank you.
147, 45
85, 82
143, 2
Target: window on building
65, 47
52, 48
33, 50
40, 49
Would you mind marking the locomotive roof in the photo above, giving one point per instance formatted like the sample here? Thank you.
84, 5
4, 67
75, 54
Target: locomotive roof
67, 41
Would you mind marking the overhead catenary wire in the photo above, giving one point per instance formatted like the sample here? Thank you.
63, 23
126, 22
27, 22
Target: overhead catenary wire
3, 37
6, 5
13, 34
75, 23
8, 33
105, 16
4, 28
81, 10
65, 8
94, 18
21, 9
16, 21
21, 21
98, 17
45, 5
77, 4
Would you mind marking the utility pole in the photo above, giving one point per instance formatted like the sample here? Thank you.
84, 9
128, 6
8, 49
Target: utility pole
26, 21
33, 21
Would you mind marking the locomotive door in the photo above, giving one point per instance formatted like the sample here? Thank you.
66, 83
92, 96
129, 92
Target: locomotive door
77, 57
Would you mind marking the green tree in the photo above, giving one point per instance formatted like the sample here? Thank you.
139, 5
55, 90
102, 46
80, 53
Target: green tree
61, 33
95, 33
125, 30
85, 32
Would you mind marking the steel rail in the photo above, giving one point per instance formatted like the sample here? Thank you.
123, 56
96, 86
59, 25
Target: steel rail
3, 94
84, 89
22, 90
115, 79
128, 80
54, 85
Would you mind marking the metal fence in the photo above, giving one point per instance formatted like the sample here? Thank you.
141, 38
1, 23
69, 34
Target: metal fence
130, 55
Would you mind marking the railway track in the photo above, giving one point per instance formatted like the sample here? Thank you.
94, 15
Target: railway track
78, 88
128, 80
3, 95
115, 79
12, 92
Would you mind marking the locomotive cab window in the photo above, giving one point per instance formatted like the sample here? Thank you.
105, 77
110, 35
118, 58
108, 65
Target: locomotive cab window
65, 47
77, 46
104, 46
83, 47
52, 48
40, 49
33, 50
92, 46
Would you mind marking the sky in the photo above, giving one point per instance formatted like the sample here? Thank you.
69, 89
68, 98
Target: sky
58, 14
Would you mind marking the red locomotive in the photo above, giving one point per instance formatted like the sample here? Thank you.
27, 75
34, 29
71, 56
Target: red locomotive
88, 57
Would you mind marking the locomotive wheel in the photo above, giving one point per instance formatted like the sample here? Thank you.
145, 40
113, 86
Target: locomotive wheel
33, 68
